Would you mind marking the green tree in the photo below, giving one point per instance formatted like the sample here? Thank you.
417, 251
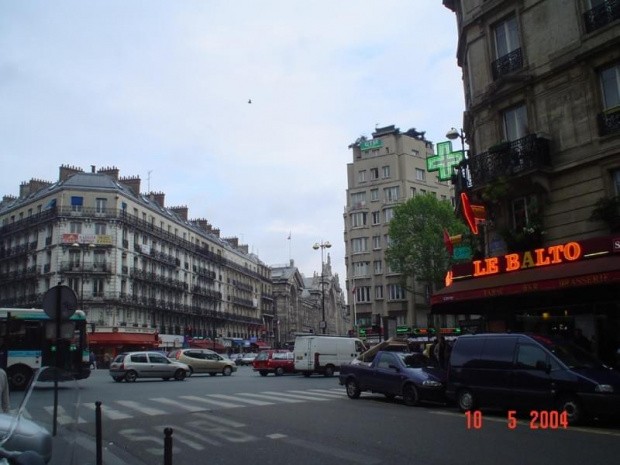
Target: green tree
417, 248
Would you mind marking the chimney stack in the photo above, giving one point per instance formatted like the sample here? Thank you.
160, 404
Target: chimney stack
182, 211
66, 171
110, 171
132, 182
158, 198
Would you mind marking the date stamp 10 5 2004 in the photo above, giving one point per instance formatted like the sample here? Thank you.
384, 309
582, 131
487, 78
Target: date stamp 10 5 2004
539, 419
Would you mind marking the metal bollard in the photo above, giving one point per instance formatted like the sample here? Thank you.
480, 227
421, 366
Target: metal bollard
167, 446
98, 434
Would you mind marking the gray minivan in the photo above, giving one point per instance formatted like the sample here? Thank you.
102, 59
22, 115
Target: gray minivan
531, 372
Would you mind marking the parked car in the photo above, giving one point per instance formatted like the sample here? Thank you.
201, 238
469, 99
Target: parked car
531, 372
274, 361
204, 361
325, 354
130, 366
392, 374
246, 360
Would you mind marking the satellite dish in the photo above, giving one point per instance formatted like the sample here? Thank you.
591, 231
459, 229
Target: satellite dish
67, 301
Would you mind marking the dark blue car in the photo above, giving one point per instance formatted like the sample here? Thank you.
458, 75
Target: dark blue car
395, 374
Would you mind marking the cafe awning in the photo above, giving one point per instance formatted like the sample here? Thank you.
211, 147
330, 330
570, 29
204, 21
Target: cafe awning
123, 339
261, 345
591, 272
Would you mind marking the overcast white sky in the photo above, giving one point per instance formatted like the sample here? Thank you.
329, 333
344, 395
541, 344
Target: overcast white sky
163, 87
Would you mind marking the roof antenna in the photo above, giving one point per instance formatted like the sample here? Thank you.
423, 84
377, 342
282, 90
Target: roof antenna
148, 179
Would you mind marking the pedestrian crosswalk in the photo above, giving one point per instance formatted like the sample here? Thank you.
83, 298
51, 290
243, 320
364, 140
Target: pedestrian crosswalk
157, 406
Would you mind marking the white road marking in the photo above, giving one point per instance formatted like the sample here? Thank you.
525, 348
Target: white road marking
221, 421
219, 403
276, 436
274, 398
62, 417
329, 395
176, 403
296, 396
140, 408
109, 412
239, 399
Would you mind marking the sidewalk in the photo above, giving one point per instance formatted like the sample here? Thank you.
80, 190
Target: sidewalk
84, 453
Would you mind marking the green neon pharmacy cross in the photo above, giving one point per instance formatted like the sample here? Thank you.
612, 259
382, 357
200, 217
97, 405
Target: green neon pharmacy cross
445, 161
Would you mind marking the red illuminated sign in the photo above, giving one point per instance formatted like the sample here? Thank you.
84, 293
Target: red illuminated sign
540, 257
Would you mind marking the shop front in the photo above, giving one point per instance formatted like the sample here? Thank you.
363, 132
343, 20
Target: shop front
552, 290
108, 344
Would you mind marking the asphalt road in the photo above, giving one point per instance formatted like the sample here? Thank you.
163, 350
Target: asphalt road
249, 419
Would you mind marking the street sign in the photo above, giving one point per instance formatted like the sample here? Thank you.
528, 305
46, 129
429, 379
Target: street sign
67, 301
462, 253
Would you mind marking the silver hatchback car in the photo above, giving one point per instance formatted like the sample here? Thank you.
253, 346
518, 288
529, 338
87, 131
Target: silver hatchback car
130, 366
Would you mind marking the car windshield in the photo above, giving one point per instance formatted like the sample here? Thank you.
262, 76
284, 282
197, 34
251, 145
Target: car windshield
570, 354
261, 356
412, 360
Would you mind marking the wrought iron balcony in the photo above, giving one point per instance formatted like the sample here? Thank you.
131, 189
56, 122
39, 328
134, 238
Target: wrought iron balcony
609, 122
602, 15
509, 159
507, 64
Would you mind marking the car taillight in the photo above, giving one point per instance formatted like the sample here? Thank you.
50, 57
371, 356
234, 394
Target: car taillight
122, 367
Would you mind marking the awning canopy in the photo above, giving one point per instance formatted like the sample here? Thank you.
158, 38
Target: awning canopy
590, 272
261, 345
123, 339
207, 344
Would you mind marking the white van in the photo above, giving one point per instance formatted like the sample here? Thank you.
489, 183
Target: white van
325, 354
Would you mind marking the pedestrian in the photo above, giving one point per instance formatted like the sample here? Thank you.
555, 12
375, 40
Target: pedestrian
4, 392
106, 360
439, 352
93, 360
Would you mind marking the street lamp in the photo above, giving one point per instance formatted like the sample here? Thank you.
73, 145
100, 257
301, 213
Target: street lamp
83, 247
454, 134
322, 246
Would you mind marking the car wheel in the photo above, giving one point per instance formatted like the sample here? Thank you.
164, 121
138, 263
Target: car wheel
263, 373
353, 389
465, 400
570, 404
279, 371
19, 377
307, 374
179, 375
191, 371
118, 379
131, 376
227, 371
410, 395
329, 371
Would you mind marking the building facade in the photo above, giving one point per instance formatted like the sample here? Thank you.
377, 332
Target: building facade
145, 274
386, 170
542, 92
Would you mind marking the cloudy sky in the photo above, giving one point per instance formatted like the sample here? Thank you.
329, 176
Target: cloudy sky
162, 87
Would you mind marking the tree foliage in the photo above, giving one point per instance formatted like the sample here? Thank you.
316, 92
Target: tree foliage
417, 248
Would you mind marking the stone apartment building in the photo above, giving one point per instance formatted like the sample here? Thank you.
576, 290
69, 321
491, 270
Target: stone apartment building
542, 91
145, 273
385, 170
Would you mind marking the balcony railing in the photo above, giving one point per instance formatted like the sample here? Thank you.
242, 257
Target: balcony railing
507, 64
511, 159
602, 15
609, 122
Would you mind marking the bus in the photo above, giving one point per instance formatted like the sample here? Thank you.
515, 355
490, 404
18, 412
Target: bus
27, 343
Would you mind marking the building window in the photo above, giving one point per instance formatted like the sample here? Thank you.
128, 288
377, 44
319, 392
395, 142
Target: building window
358, 200
358, 220
609, 120
361, 176
524, 211
415, 152
507, 48
76, 204
378, 292
601, 13
374, 173
390, 194
423, 191
98, 287
362, 294
376, 242
386, 172
616, 180
378, 266
389, 214
101, 205
100, 229
515, 123
374, 194
395, 292
420, 174
361, 269
412, 192
75, 227
359, 245
443, 198
376, 218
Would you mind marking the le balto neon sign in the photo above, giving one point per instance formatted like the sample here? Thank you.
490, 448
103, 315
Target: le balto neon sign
531, 259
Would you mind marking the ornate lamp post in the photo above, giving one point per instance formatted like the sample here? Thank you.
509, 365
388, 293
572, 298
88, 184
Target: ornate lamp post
322, 246
84, 247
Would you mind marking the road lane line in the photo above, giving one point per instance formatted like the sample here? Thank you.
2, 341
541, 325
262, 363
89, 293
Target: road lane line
176, 403
239, 399
332, 451
140, 408
274, 398
62, 417
221, 421
193, 434
336, 392
298, 396
109, 412
329, 395
218, 403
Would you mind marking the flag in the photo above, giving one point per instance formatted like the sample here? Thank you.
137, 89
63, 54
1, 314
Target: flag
447, 241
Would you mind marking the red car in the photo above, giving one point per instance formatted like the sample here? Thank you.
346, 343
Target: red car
274, 361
